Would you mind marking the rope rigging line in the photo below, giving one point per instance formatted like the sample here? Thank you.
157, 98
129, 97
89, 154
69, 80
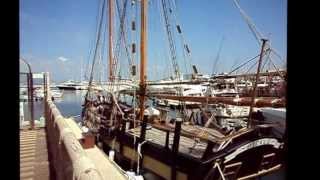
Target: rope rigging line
243, 64
118, 41
271, 61
170, 37
115, 65
218, 56
277, 54
277, 70
86, 109
266, 61
133, 38
235, 63
93, 41
101, 55
264, 64
166, 54
248, 70
122, 15
96, 45
250, 23
183, 109
172, 48
186, 49
122, 32
172, 10
254, 30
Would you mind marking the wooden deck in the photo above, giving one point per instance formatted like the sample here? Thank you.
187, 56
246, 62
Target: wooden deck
186, 146
34, 164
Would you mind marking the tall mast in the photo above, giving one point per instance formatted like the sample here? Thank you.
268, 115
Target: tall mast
254, 93
143, 55
111, 75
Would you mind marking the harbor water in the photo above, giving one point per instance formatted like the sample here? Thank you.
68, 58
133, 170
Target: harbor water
70, 105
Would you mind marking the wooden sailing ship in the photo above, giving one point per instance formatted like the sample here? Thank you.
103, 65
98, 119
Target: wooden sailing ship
148, 142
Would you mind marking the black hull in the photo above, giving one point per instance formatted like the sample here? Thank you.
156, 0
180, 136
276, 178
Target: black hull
191, 168
249, 152
67, 88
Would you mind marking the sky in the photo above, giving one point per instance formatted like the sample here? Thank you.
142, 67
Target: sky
57, 36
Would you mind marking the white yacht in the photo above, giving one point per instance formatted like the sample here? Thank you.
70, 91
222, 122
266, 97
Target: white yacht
72, 85
222, 87
39, 93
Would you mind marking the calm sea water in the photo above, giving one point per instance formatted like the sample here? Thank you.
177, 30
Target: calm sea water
70, 106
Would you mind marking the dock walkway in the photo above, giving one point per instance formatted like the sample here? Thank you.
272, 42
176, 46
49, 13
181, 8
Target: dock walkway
34, 164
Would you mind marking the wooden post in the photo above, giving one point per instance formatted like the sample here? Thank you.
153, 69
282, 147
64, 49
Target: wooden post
30, 98
143, 128
254, 93
142, 137
122, 135
175, 148
167, 139
45, 91
208, 150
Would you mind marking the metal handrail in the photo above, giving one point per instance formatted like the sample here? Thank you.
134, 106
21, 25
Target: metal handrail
30, 92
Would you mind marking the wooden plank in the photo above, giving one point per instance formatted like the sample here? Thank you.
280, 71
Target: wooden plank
260, 173
27, 159
26, 174
28, 136
26, 178
27, 155
27, 148
26, 151
27, 140
26, 164
24, 144
26, 169
186, 145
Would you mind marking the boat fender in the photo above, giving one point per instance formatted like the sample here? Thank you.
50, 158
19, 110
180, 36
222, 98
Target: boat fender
84, 129
133, 176
111, 155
